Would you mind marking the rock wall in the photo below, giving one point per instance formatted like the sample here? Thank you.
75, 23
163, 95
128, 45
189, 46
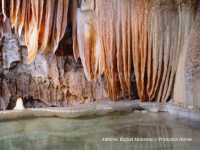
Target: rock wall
55, 80
187, 85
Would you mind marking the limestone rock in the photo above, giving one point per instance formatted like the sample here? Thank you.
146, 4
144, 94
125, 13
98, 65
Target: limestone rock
10, 51
187, 83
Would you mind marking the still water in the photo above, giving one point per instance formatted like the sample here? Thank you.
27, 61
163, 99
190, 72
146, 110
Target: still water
117, 131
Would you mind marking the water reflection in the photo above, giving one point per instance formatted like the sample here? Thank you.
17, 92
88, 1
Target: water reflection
90, 133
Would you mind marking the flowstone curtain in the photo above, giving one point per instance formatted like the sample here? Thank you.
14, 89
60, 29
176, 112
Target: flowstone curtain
146, 35
114, 38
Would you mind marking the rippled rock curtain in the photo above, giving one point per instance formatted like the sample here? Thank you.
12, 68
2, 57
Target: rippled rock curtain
41, 22
145, 34
165, 28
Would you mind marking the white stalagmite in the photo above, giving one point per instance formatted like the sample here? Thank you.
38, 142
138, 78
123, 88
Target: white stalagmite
19, 104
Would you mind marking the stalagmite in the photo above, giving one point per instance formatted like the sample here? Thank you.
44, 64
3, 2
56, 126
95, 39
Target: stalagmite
19, 104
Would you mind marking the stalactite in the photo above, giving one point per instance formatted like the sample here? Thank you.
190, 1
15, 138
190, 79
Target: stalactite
42, 22
89, 44
139, 43
124, 46
167, 47
106, 21
150, 33
74, 29
86, 40
168, 33
112, 37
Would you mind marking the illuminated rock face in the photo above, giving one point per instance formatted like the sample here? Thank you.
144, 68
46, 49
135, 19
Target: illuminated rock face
113, 42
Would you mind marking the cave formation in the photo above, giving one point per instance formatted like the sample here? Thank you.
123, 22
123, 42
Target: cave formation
118, 49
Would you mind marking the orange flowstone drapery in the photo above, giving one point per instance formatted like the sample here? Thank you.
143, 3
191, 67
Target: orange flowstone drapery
113, 38
146, 35
42, 22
